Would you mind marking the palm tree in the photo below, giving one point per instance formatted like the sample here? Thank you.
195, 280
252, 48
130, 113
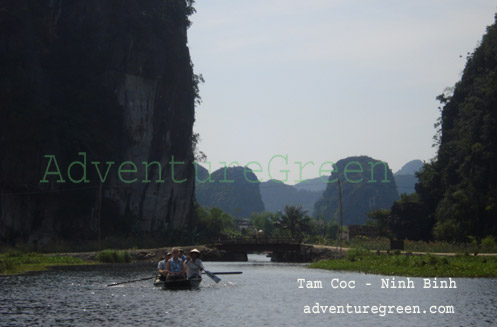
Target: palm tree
295, 220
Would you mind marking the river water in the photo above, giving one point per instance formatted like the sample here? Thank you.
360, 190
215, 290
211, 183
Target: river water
266, 294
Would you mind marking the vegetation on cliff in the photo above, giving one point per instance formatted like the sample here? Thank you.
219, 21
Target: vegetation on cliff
457, 192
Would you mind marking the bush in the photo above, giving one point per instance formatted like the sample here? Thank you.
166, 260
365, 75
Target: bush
6, 265
357, 254
114, 256
488, 244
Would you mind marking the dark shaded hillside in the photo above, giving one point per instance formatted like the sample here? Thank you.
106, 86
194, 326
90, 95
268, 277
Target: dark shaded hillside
235, 190
113, 80
362, 191
459, 188
277, 195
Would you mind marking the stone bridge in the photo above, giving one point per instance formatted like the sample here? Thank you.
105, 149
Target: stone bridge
287, 250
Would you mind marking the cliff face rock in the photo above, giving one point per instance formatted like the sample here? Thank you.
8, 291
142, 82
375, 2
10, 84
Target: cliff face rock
112, 80
367, 184
234, 190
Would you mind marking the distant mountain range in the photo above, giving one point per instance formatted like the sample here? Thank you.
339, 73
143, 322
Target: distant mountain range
367, 184
246, 195
276, 195
405, 177
410, 168
317, 184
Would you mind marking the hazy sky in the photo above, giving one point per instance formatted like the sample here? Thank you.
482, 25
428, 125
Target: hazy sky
321, 80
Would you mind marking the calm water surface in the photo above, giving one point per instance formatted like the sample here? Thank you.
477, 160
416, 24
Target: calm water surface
266, 294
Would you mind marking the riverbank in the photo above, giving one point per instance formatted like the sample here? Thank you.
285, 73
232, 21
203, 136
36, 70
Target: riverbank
17, 262
157, 254
425, 265
324, 257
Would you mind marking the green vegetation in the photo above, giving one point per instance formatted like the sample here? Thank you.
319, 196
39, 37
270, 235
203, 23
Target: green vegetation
208, 225
113, 256
383, 244
405, 220
137, 241
295, 221
412, 265
457, 191
16, 262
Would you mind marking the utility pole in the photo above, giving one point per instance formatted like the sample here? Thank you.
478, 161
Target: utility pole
341, 216
99, 216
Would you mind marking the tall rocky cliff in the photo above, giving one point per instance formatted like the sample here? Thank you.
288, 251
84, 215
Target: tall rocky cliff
112, 80
235, 190
458, 189
367, 184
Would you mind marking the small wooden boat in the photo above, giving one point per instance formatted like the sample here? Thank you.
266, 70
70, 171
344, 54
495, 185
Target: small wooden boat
178, 284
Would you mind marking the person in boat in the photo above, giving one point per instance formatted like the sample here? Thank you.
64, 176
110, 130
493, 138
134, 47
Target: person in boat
162, 267
194, 265
175, 268
182, 255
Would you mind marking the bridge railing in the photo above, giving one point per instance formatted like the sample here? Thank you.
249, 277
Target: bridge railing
260, 240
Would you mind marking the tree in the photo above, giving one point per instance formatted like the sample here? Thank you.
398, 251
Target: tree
211, 224
294, 220
408, 219
265, 221
381, 221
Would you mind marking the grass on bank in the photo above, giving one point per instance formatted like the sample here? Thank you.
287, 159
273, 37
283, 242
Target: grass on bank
15, 262
412, 265
487, 245
113, 256
18, 262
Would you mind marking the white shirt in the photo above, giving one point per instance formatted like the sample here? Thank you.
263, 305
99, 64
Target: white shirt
192, 268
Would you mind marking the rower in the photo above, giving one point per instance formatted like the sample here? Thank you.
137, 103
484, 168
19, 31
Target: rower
194, 265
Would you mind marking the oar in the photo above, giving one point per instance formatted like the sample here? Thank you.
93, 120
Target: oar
130, 281
212, 276
208, 273
227, 272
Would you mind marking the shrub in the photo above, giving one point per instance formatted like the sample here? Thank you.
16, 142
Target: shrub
488, 244
113, 256
356, 254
